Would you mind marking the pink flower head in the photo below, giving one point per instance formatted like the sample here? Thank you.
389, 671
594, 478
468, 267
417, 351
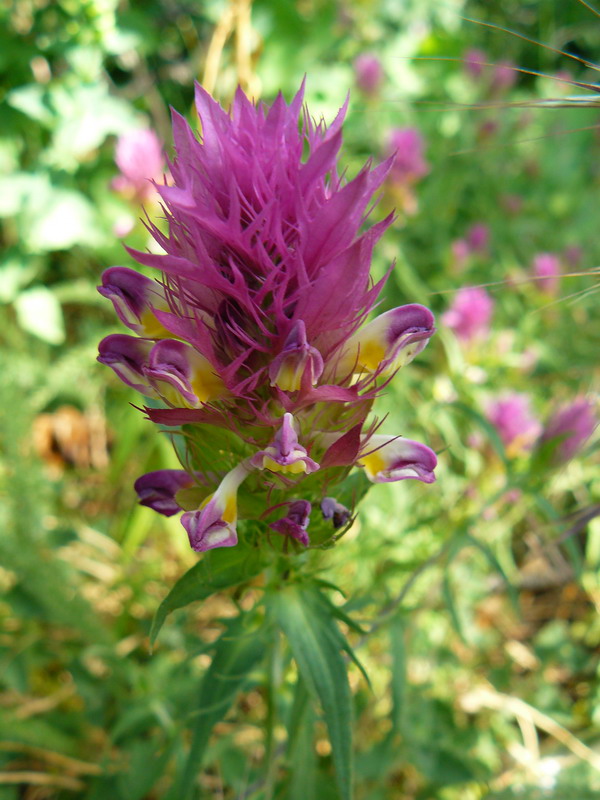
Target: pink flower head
516, 424
470, 313
368, 73
140, 159
570, 427
475, 62
407, 146
257, 322
547, 270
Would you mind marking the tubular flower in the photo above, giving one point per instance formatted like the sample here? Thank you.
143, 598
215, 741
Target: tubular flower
135, 297
392, 458
390, 341
214, 523
285, 454
158, 489
254, 339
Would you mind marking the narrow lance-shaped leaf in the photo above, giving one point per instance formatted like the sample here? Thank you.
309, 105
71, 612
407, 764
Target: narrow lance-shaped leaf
237, 652
315, 642
217, 570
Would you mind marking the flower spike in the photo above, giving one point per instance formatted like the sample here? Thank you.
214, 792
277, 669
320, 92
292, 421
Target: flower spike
392, 458
214, 523
285, 454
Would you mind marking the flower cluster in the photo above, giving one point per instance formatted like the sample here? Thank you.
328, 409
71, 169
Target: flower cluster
254, 339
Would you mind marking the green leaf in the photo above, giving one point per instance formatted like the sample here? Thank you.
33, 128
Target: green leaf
40, 313
301, 748
218, 570
317, 644
237, 652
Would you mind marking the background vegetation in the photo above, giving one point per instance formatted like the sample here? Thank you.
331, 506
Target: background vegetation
478, 595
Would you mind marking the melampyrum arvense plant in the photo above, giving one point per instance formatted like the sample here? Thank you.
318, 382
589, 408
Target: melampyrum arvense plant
254, 342
254, 338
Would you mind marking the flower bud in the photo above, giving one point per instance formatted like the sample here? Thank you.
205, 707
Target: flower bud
295, 522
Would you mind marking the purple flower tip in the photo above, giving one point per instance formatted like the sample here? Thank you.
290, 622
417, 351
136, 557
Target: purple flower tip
157, 489
297, 361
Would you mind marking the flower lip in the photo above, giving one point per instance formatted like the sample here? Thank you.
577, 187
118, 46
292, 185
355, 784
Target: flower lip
214, 523
285, 454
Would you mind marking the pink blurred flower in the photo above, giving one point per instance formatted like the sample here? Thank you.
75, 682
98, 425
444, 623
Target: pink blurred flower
475, 62
139, 156
478, 236
546, 268
368, 73
470, 313
512, 417
409, 163
504, 76
571, 426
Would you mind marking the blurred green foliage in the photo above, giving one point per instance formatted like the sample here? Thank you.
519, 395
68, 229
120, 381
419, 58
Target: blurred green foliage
478, 596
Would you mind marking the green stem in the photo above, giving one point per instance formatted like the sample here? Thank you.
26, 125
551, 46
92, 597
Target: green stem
273, 682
